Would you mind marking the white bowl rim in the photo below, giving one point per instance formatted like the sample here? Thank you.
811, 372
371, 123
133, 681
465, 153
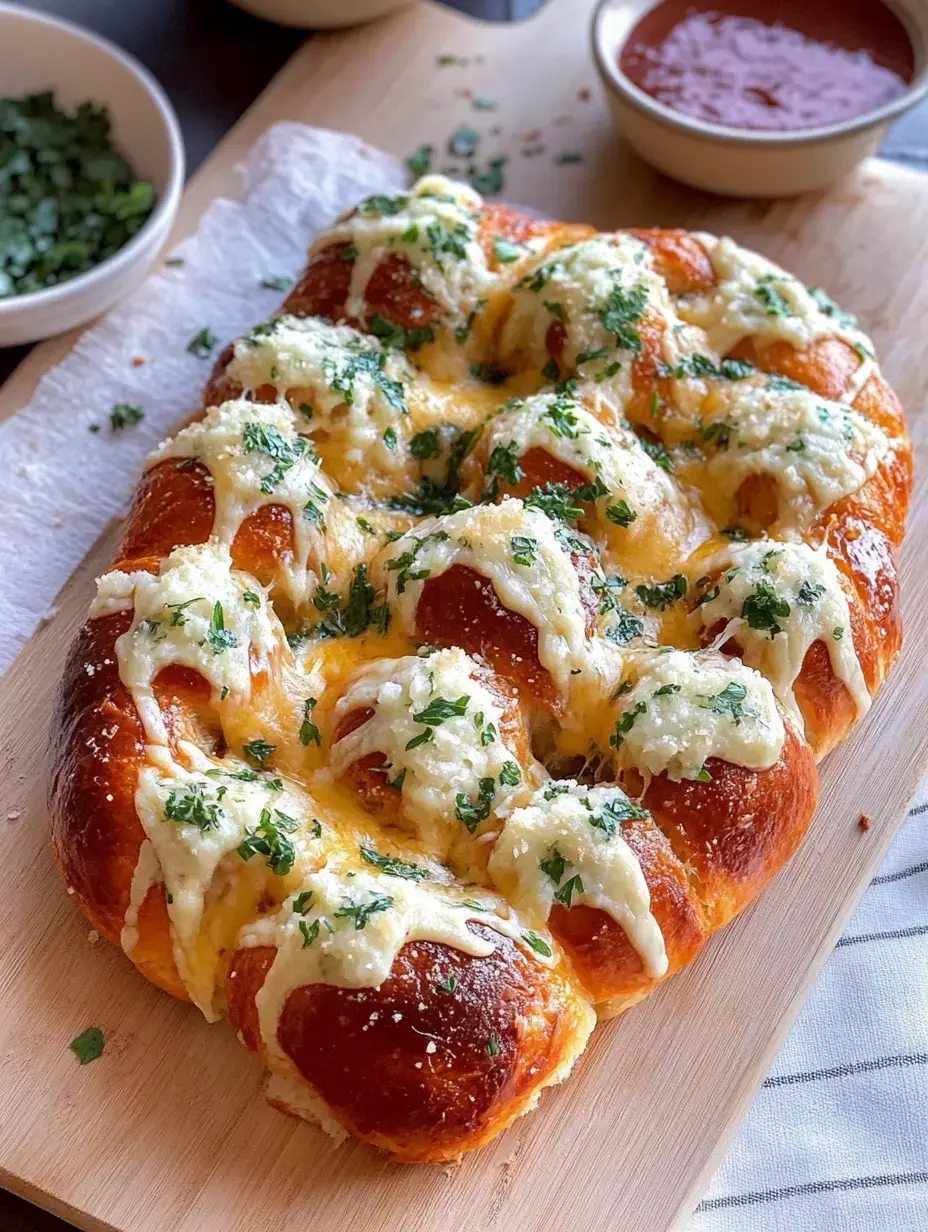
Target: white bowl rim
604, 54
168, 199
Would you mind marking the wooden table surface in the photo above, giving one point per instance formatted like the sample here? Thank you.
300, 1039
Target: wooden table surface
214, 60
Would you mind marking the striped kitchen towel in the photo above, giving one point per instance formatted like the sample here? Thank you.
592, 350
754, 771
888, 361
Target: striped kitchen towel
837, 1138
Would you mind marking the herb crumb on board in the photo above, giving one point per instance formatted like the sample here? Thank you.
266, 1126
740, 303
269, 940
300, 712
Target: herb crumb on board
89, 1045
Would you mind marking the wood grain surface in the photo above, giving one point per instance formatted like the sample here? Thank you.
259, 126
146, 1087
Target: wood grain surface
168, 1131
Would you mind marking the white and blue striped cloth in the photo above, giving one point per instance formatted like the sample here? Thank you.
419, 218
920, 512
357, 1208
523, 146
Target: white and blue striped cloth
837, 1138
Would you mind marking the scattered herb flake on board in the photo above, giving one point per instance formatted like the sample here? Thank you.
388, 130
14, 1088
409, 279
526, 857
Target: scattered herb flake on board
463, 142
447, 58
277, 282
489, 181
202, 343
88, 1046
419, 161
124, 414
175, 262
568, 156
68, 199
481, 103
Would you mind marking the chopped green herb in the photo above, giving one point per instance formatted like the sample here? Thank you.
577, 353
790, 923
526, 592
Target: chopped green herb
124, 414
269, 839
473, 812
190, 804
309, 732
566, 892
202, 343
259, 751
447, 985
88, 1046
505, 251
662, 594
538, 944
463, 142
362, 912
419, 161
764, 608
730, 701
510, 775
393, 867
310, 933
621, 514
219, 637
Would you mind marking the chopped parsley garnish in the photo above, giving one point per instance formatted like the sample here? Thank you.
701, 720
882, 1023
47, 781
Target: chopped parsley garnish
362, 912
809, 593
447, 985
505, 251
88, 1046
557, 500
656, 452
191, 805
510, 775
424, 444
613, 812
266, 439
626, 628
303, 902
219, 637
493, 1046
259, 751
524, 550
420, 161
202, 343
393, 867
463, 142
269, 839
624, 308
554, 866
773, 299
472, 812
398, 338
440, 709
620, 513
489, 181
309, 732
625, 724
309, 932
124, 414
702, 365
730, 701
764, 608
564, 895
538, 944
662, 594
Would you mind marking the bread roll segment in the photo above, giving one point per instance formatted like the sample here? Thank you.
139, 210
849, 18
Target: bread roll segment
467, 657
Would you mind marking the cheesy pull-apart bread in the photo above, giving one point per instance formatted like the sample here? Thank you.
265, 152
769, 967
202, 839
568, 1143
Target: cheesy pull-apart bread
469, 653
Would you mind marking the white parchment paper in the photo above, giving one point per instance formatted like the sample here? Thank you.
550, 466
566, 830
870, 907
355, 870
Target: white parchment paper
63, 483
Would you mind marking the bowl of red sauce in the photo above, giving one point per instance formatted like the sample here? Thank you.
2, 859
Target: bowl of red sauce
756, 98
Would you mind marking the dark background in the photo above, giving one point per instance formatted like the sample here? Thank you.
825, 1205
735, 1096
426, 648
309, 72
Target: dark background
213, 61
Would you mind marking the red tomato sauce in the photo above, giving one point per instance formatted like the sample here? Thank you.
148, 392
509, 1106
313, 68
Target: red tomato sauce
781, 66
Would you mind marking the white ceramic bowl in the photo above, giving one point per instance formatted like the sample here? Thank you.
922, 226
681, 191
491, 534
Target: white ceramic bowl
42, 53
321, 14
737, 162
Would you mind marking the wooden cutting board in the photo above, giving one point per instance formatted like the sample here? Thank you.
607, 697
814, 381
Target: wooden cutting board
168, 1131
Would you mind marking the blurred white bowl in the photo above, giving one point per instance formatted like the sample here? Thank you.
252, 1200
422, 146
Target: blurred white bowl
740, 162
42, 53
321, 14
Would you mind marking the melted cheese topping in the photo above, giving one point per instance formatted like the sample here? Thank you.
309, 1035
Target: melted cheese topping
435, 228
256, 456
353, 925
564, 428
196, 822
342, 381
817, 451
464, 751
566, 846
777, 600
597, 291
686, 707
197, 612
514, 548
754, 298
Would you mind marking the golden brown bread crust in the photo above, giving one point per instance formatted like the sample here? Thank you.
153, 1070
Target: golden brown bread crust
705, 848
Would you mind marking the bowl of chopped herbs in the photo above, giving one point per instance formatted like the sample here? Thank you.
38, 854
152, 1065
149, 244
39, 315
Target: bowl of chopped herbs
91, 172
